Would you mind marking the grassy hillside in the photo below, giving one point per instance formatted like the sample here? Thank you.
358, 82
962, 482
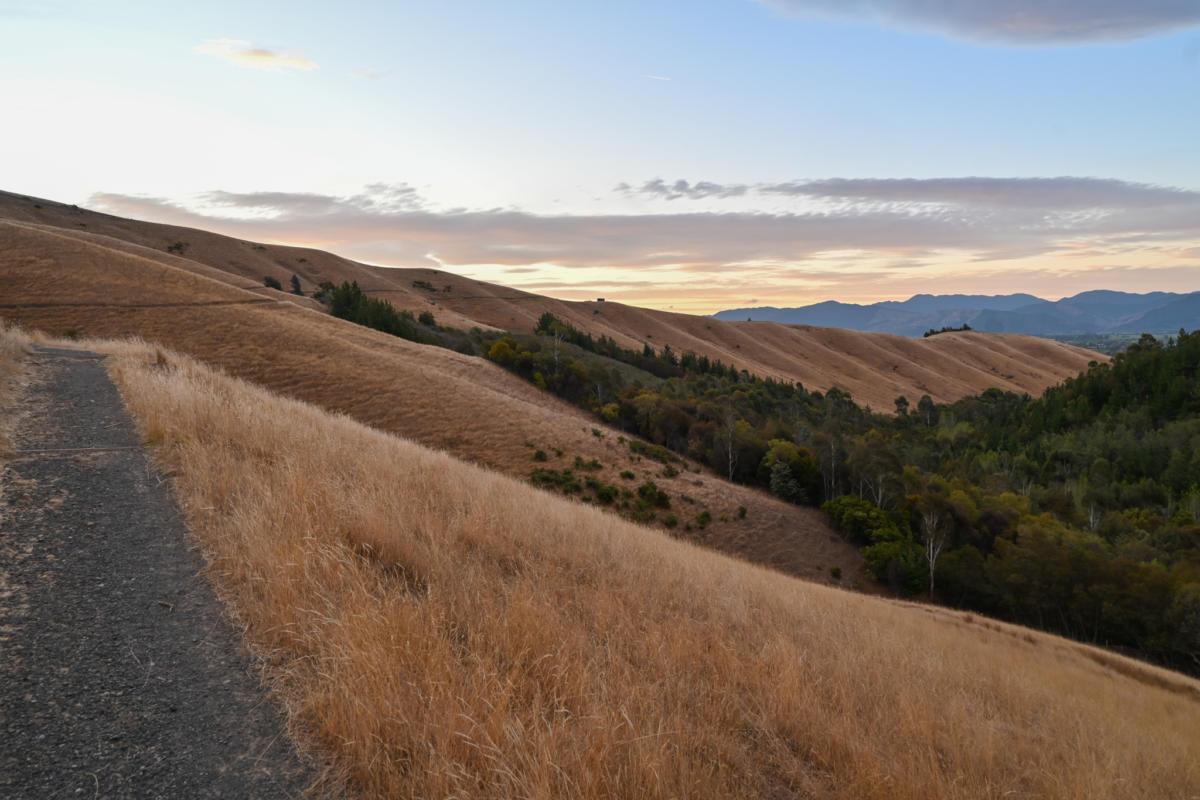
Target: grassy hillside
874, 368
86, 283
440, 630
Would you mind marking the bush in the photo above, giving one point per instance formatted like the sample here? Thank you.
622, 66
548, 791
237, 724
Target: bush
703, 520
272, 283
296, 286
564, 481
628, 475
741, 512
540, 455
651, 495
426, 318
654, 451
605, 493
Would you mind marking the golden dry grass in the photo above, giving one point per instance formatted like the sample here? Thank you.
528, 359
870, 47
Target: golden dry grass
60, 281
14, 345
443, 631
874, 367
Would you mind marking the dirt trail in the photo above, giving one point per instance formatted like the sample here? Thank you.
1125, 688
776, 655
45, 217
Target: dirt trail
119, 674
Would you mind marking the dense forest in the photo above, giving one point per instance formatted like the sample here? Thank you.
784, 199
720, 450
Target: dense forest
1077, 512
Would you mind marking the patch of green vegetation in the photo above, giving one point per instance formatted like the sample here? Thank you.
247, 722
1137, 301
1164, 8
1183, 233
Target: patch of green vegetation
947, 329
564, 481
650, 495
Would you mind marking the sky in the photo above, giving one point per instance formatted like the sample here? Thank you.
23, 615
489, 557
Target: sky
688, 155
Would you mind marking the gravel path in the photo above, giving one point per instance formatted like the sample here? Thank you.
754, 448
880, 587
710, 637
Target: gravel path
119, 674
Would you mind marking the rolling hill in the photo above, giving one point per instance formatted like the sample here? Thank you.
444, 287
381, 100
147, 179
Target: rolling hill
83, 283
874, 368
434, 629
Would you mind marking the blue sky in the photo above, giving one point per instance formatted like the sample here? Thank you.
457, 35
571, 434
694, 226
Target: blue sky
494, 138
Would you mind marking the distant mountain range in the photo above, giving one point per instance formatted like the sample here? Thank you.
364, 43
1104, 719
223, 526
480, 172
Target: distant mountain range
1089, 312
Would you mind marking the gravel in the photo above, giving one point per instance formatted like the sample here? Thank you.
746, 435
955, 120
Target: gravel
120, 675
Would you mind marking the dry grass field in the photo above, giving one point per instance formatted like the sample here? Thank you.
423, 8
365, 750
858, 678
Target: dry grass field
874, 368
13, 346
439, 630
87, 284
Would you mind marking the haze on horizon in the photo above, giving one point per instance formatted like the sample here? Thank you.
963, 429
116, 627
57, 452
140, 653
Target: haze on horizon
695, 156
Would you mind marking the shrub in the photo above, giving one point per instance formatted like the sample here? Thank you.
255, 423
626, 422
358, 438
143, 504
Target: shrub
628, 475
426, 318
651, 495
836, 572
587, 466
741, 512
653, 451
296, 286
178, 248
564, 481
703, 520
272, 283
540, 455
605, 493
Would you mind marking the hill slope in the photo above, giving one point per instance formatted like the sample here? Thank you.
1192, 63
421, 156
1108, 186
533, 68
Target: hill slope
472, 637
85, 283
874, 368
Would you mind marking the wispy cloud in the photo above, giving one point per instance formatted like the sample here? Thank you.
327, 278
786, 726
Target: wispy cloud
991, 225
1015, 21
245, 54
683, 189
658, 77
865, 238
1061, 193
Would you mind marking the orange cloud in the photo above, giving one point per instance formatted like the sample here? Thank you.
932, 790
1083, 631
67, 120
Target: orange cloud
245, 54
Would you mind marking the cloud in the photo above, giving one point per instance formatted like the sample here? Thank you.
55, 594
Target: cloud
1016, 21
681, 188
1064, 193
245, 54
389, 223
375, 198
658, 77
